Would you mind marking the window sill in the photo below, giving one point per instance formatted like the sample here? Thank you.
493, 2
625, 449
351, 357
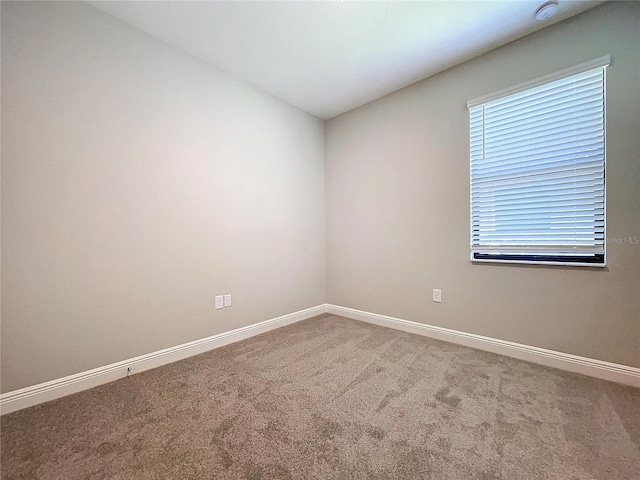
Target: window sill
539, 262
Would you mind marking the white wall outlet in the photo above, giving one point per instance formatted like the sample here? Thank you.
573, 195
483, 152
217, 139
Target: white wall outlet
227, 300
437, 295
219, 302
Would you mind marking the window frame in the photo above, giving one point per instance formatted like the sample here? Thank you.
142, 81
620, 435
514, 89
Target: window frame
520, 255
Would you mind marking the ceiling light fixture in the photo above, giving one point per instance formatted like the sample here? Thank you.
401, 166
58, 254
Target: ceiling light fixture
546, 11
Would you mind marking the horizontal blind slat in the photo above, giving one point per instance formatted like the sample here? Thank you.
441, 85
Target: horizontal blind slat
555, 95
537, 111
592, 166
585, 149
563, 124
595, 71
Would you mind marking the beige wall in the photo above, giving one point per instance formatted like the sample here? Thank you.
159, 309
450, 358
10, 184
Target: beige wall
398, 203
137, 183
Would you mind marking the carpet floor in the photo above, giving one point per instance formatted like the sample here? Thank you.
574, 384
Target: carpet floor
333, 398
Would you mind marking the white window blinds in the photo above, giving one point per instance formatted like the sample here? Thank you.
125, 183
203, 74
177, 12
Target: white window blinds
538, 172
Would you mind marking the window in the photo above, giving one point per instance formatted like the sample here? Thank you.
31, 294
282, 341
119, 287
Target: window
538, 170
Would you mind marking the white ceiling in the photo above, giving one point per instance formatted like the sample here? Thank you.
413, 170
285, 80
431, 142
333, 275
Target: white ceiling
329, 57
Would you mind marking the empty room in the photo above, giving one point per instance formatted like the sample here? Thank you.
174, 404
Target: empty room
320, 240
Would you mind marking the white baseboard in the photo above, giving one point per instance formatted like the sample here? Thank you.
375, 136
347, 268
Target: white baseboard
43, 392
564, 361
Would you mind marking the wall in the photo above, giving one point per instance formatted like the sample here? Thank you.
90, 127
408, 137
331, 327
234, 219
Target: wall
398, 203
137, 183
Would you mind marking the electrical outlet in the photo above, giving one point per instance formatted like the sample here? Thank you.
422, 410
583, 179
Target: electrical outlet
227, 300
437, 295
219, 302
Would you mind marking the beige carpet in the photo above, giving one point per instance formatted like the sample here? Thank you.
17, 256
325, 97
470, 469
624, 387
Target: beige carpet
337, 399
